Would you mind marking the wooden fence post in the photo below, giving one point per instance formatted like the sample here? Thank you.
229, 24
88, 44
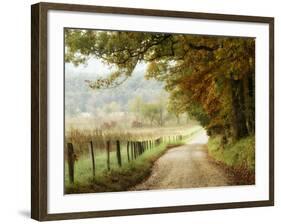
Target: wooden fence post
132, 150
139, 148
70, 159
108, 154
128, 151
118, 153
135, 154
135, 150
91, 150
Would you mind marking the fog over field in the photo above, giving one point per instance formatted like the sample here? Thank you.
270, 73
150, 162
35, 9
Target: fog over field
136, 100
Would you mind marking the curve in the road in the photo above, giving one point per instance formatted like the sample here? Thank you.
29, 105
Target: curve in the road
187, 166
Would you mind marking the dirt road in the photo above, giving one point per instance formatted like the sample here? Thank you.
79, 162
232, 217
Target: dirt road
187, 166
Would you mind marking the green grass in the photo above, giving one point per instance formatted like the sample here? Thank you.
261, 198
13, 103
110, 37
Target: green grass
238, 155
118, 178
83, 167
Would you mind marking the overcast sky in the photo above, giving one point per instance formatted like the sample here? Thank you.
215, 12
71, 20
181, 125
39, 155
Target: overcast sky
94, 66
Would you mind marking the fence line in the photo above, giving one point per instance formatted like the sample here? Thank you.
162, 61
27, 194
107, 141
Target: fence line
134, 149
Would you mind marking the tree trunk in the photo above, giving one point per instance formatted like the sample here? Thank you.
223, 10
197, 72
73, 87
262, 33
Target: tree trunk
249, 94
238, 107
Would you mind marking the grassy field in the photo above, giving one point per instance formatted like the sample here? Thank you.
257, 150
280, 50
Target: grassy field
118, 178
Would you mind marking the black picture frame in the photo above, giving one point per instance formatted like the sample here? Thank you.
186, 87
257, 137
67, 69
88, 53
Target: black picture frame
39, 108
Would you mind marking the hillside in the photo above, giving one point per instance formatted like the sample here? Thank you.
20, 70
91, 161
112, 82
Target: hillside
79, 98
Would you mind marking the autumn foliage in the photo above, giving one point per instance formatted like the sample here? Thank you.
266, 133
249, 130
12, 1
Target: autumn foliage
212, 78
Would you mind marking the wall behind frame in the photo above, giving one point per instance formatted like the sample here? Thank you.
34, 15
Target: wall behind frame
15, 111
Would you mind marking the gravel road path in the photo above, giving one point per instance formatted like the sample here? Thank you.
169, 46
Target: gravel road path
187, 166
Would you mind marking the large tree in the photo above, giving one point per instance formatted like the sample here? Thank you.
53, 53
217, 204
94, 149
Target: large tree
210, 77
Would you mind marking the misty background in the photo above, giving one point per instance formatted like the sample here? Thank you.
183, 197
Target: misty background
136, 102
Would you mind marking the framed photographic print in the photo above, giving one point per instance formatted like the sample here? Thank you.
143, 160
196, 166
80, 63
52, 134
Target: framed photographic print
139, 111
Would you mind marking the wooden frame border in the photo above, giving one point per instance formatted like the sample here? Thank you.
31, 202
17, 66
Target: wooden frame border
39, 110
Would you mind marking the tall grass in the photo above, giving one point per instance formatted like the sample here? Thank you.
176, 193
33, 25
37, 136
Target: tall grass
81, 137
